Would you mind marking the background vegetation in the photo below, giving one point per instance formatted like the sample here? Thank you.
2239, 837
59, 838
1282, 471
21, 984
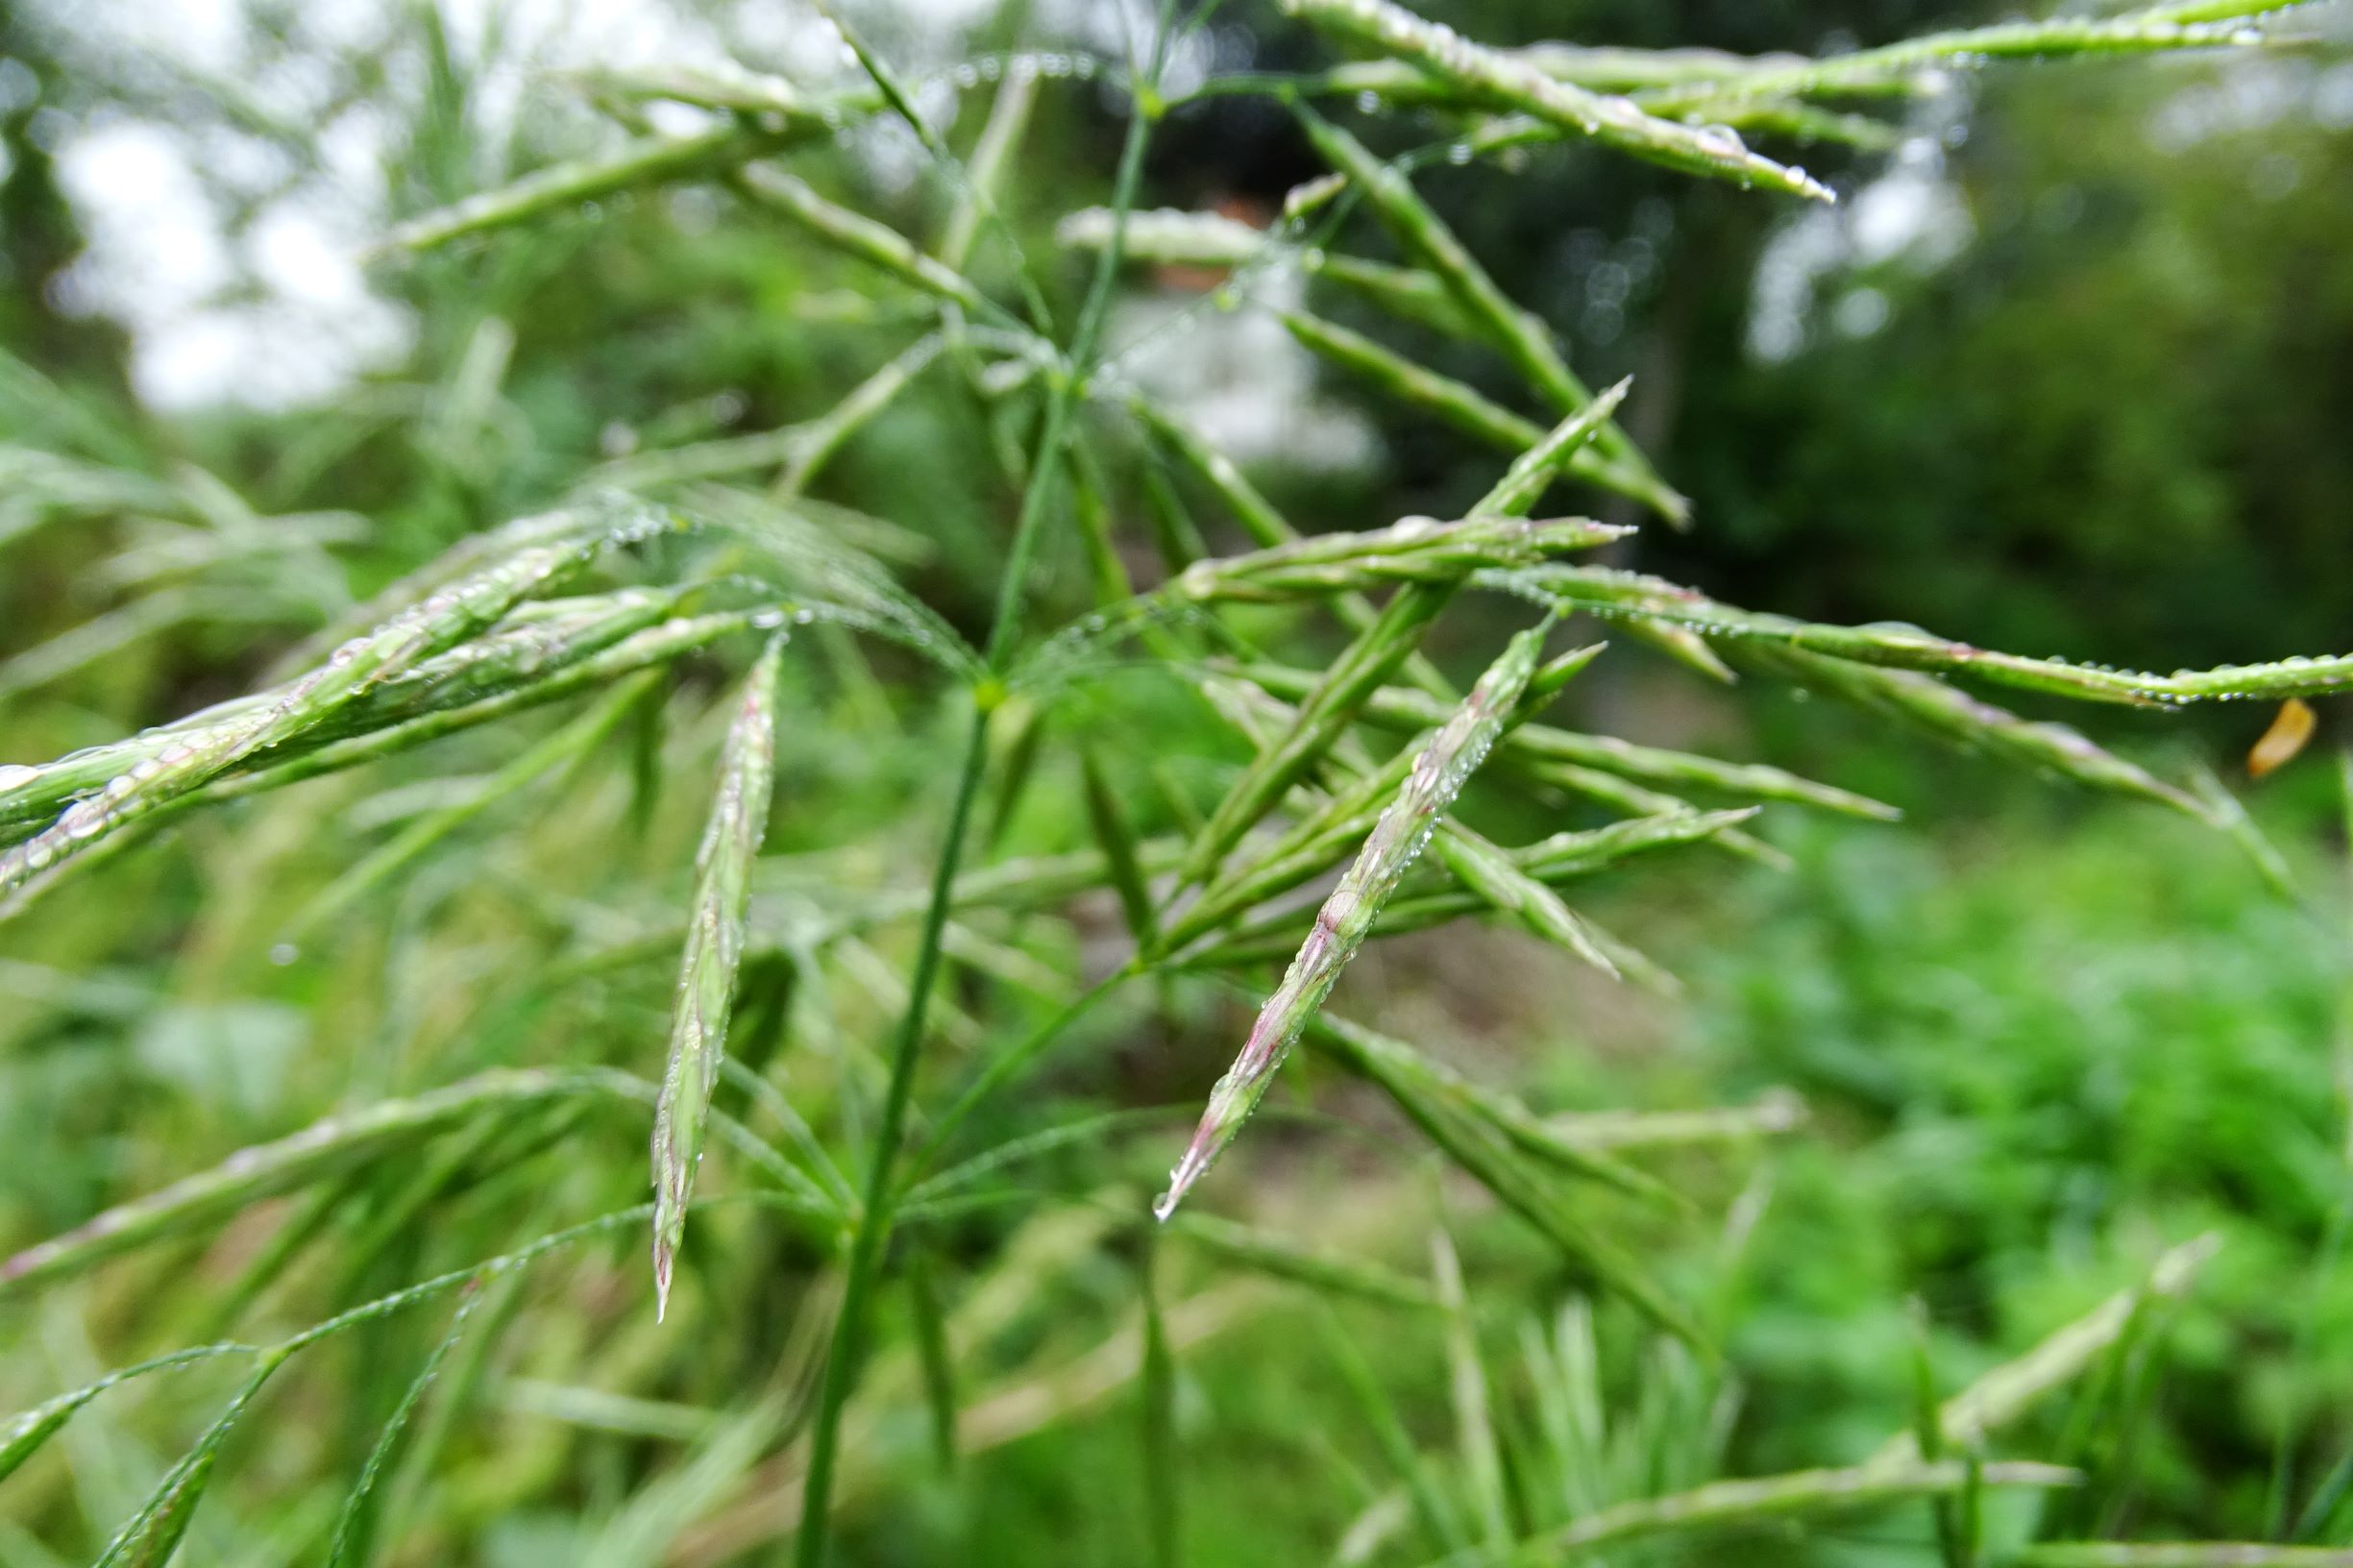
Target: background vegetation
2066, 372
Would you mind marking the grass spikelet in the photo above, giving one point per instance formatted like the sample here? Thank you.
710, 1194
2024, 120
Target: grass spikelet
714, 948
1490, 872
447, 617
1733, 1505
855, 234
1608, 593
1946, 710
1450, 399
647, 161
1614, 121
1412, 549
1438, 775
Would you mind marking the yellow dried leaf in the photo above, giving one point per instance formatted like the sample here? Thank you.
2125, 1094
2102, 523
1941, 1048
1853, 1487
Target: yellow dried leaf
2289, 729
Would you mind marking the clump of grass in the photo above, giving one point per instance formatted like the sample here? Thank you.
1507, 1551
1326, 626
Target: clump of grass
681, 555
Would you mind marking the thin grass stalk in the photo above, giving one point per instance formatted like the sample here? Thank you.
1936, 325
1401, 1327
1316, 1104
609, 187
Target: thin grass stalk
1111, 830
865, 1246
714, 949
858, 235
1779, 1111
356, 1524
1466, 1384
1162, 1461
1450, 399
1397, 1062
940, 1395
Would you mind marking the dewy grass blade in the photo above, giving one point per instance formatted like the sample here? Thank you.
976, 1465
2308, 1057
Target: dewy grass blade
856, 234
1614, 121
1946, 710
714, 948
510, 654
1439, 773
1414, 550
447, 617
2161, 28
1604, 592
652, 160
1524, 340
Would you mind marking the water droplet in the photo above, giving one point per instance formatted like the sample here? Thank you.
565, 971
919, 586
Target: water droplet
285, 953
